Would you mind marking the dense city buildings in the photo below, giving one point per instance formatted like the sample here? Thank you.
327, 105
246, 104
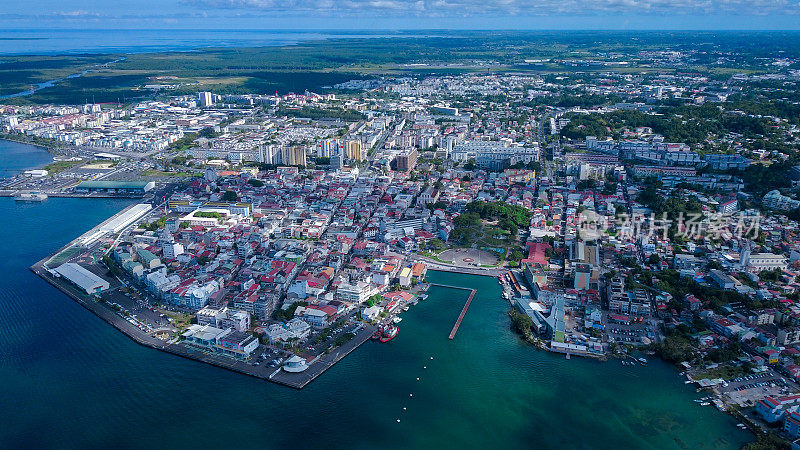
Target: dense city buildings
625, 213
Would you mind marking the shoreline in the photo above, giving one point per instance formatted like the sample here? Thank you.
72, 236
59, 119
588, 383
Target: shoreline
5, 137
275, 375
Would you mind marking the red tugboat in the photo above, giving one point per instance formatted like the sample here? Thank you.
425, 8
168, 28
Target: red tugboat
377, 335
388, 333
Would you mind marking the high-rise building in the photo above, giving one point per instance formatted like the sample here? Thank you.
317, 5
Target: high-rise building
269, 154
356, 151
294, 156
328, 147
205, 98
406, 161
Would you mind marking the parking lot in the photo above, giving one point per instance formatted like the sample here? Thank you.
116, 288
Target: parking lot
630, 333
745, 391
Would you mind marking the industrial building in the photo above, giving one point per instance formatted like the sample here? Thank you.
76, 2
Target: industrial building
82, 278
123, 187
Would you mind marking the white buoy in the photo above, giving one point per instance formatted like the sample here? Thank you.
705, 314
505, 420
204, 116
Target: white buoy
398, 420
424, 367
417, 378
410, 395
404, 408
431, 357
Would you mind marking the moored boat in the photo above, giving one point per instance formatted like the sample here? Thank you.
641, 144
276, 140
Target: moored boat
389, 333
30, 197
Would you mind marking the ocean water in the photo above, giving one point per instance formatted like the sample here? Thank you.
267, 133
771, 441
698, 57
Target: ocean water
69, 380
76, 41
16, 158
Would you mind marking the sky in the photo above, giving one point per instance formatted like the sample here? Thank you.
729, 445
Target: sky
402, 14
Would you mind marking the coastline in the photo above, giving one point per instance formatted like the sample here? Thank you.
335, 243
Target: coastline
9, 138
293, 380
279, 376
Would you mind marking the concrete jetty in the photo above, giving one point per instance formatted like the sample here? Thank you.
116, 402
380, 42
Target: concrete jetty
463, 310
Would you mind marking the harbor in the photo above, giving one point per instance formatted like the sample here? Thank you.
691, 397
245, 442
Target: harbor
97, 355
93, 240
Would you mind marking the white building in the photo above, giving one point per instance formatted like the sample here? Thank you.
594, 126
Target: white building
355, 293
775, 200
82, 278
205, 98
172, 249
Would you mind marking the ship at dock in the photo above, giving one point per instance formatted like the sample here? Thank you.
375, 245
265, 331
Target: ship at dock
30, 197
389, 333
385, 333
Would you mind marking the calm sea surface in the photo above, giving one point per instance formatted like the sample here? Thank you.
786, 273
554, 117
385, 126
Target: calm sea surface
67, 379
75, 41
16, 158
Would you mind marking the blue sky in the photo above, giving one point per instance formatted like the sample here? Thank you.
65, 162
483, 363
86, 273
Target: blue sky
403, 14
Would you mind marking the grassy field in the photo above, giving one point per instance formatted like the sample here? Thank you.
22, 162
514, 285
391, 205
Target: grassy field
316, 64
60, 166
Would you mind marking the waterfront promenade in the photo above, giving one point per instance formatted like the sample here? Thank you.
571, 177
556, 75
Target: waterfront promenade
444, 267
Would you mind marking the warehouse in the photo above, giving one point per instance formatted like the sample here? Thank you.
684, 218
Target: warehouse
123, 187
82, 278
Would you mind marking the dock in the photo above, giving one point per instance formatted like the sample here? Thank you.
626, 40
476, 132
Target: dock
463, 313
463, 310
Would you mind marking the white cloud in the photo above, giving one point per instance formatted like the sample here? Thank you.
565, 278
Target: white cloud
505, 7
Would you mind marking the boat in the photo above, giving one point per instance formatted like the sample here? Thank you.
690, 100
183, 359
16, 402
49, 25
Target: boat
30, 197
389, 333
705, 404
405, 309
295, 364
377, 334
423, 296
642, 361
397, 319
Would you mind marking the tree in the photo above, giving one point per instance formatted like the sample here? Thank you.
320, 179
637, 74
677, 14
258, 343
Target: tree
521, 323
230, 196
675, 348
255, 182
436, 245
516, 255
767, 441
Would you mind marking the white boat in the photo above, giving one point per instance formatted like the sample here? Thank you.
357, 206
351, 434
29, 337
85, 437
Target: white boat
704, 404
295, 364
397, 319
30, 197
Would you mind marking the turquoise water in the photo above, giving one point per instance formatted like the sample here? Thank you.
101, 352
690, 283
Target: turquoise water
67, 379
